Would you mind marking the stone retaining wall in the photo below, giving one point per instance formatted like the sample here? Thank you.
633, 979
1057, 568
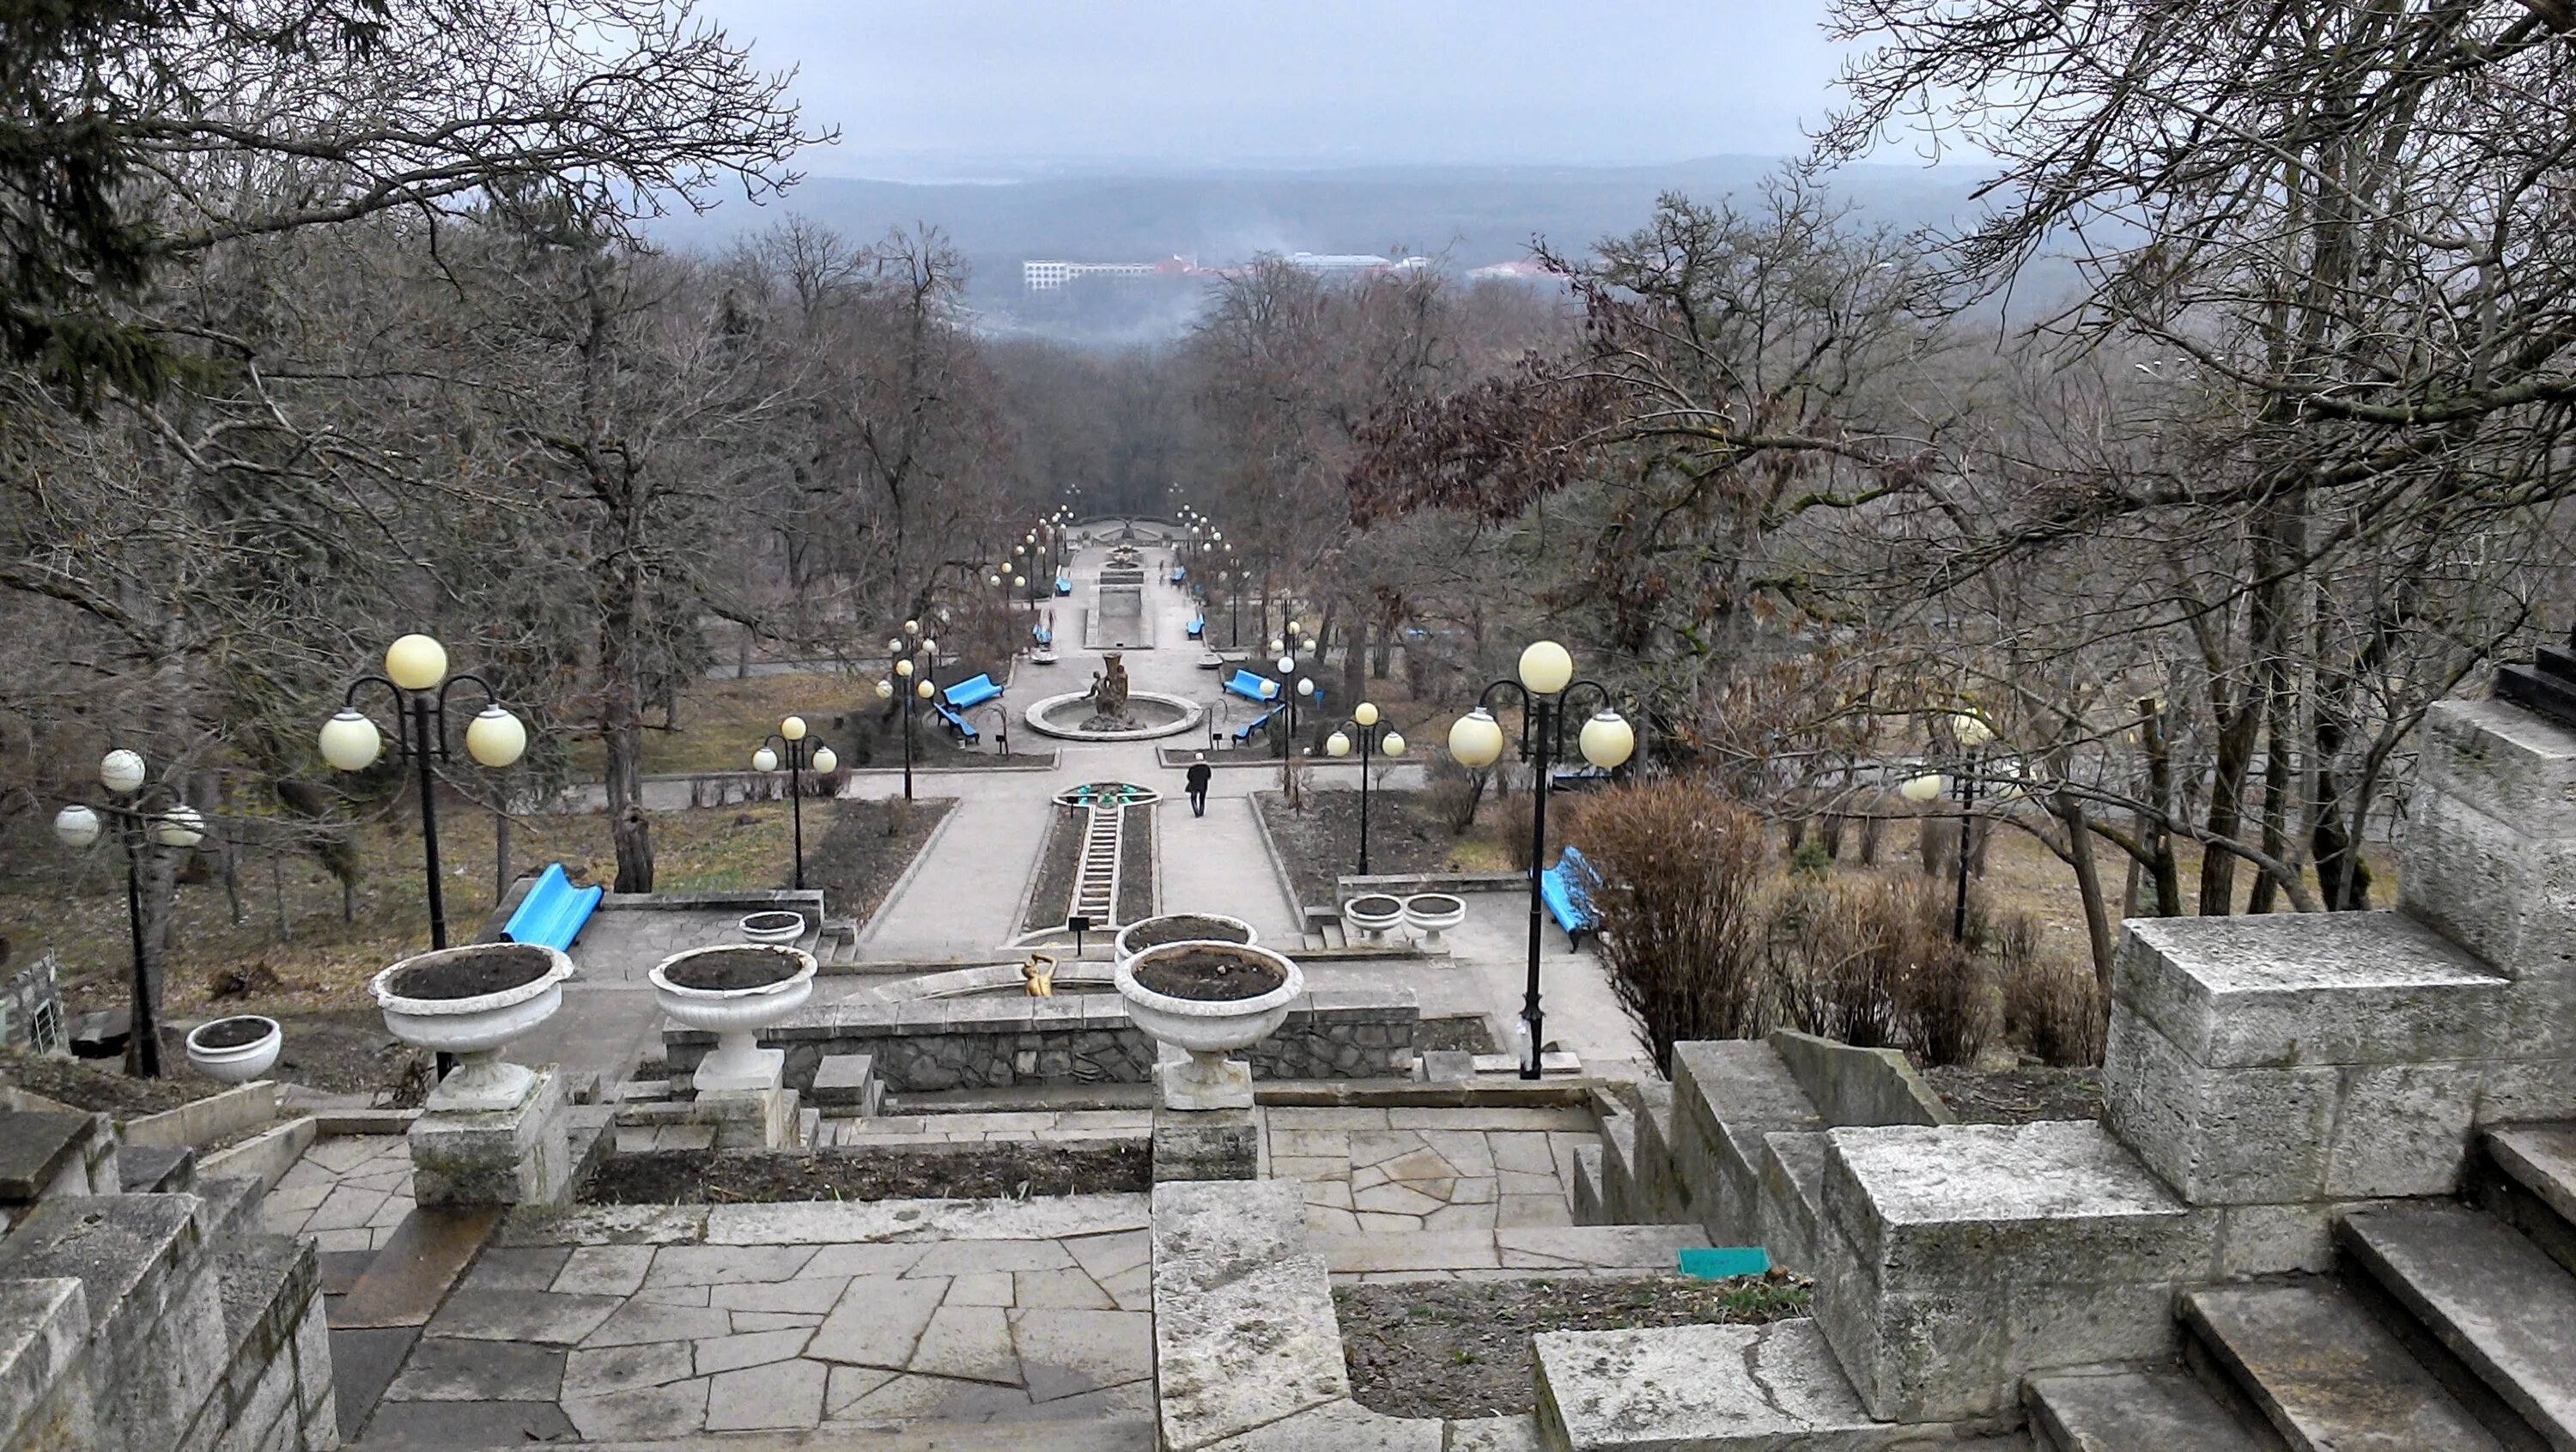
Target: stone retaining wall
928, 1045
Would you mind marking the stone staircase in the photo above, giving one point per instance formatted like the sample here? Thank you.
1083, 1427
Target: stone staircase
2446, 1325
1095, 882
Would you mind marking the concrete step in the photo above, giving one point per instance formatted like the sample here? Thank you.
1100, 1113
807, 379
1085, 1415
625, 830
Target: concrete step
2542, 1159
2325, 1373
2490, 1296
846, 1081
1774, 1388
2135, 1411
1536, 1250
1108, 1435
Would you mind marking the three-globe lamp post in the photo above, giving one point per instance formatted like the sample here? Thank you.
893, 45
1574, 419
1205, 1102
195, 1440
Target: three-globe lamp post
1548, 692
139, 828
914, 683
1373, 738
791, 747
1972, 734
417, 681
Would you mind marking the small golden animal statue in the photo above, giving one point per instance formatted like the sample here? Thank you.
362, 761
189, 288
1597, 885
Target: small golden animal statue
1040, 972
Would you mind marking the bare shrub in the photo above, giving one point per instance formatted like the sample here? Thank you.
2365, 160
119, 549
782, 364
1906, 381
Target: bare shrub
1949, 1010
1455, 793
2055, 1007
897, 819
1936, 839
1683, 909
1846, 979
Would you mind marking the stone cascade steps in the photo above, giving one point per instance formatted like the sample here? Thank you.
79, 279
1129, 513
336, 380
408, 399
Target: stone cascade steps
1095, 883
2324, 1373
2490, 1296
2136, 1411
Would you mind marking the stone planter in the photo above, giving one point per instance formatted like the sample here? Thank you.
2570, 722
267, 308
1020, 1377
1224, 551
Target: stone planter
471, 1002
734, 991
775, 926
1210, 1021
235, 1050
1178, 928
1374, 914
1434, 913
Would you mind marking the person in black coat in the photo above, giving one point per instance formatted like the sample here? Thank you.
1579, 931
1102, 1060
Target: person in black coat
1199, 775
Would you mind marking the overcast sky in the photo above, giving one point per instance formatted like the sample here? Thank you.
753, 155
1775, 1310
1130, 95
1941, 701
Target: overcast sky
921, 87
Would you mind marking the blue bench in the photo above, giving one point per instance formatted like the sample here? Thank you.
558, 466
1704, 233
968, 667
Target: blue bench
956, 720
1254, 726
971, 692
1566, 889
1247, 685
1063, 586
1198, 626
1041, 635
553, 912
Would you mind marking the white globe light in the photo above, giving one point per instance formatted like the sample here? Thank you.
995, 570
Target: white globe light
1307, 645
416, 663
764, 760
912, 627
1921, 789
903, 668
885, 690
1366, 715
992, 579
793, 728
1269, 690
1287, 663
76, 826
894, 647
1305, 687
930, 647
351, 742
922, 690
1971, 731
1277, 646
1392, 744
120, 771
1476, 739
1546, 668
825, 760
1607, 740
1337, 745
181, 826
1020, 580
495, 738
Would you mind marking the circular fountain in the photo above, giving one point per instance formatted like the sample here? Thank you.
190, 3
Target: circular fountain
1109, 711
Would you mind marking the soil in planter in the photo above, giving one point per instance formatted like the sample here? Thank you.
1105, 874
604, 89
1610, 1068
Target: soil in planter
772, 922
731, 968
1375, 906
912, 1172
1182, 928
232, 1033
1136, 866
1052, 898
495, 970
1209, 975
1462, 1348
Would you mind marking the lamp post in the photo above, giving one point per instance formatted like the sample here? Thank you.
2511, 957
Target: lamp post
416, 679
138, 830
1972, 734
1547, 688
789, 747
1364, 728
913, 690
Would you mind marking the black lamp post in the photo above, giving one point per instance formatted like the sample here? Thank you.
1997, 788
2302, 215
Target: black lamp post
416, 679
789, 746
914, 690
139, 828
1364, 727
1547, 690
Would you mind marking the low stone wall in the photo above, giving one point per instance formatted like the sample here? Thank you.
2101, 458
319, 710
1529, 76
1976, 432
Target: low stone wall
1858, 1087
927, 1045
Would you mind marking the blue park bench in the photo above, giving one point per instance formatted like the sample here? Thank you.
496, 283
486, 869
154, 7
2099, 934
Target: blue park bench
971, 692
553, 912
956, 720
1198, 626
1566, 889
1254, 726
1063, 585
1041, 635
1248, 685
1179, 574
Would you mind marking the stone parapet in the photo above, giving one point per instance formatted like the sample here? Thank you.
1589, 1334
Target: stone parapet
520, 1156
45, 1400
1727, 1095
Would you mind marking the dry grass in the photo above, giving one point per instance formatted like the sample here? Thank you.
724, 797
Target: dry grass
721, 722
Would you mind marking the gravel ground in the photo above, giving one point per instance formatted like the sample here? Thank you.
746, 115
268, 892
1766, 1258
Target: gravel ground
2018, 1096
917, 1172
1462, 1348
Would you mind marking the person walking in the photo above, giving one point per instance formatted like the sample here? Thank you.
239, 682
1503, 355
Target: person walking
1199, 775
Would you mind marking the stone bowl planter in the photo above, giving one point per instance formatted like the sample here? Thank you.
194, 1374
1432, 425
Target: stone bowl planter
1434, 913
1374, 914
1210, 1000
1180, 928
774, 926
734, 990
471, 1002
235, 1050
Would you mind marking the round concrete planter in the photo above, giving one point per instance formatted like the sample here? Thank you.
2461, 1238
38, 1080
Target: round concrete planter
1133, 938
775, 982
259, 1039
1208, 1030
775, 926
1374, 914
471, 1002
1434, 913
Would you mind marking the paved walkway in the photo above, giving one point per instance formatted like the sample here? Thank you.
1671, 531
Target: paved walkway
1412, 1170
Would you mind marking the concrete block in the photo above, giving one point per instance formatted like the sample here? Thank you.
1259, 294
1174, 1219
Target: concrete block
747, 1119
1727, 1095
515, 1156
1856, 1087
2497, 758
1773, 1388
266, 1156
45, 1397
2220, 1137
157, 1344
2501, 886
2402, 1129
1953, 1261
1793, 1174
1206, 1144
1586, 1189
1244, 1329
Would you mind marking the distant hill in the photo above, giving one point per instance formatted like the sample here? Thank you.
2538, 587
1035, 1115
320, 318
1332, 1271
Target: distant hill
1470, 216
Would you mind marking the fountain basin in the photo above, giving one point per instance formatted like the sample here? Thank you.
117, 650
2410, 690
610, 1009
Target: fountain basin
235, 1050
1067, 717
471, 1002
734, 990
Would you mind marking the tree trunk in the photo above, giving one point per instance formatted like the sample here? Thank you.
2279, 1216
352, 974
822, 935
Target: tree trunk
2088, 887
2168, 874
1354, 662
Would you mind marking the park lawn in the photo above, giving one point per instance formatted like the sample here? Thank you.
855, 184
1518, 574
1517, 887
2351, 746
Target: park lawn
721, 722
321, 962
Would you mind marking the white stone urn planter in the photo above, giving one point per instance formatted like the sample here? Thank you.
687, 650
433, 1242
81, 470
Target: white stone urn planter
1210, 1000
734, 990
1374, 914
1434, 913
777, 925
1180, 928
471, 1002
235, 1050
